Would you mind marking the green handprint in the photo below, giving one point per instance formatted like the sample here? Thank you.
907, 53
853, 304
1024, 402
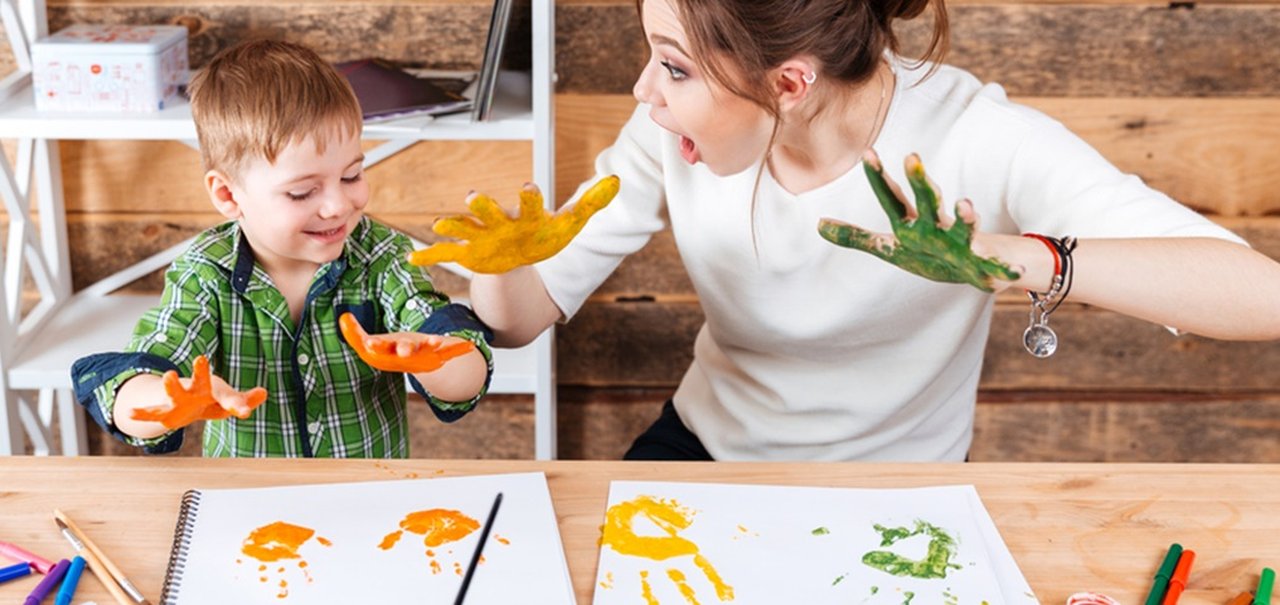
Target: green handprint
942, 548
919, 243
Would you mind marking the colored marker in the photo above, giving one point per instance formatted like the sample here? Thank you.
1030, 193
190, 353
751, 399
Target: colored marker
13, 551
1244, 598
1163, 574
46, 585
68, 588
14, 572
1178, 582
1265, 583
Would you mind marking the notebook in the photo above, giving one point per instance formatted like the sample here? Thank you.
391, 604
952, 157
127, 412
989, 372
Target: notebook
386, 91
371, 542
720, 543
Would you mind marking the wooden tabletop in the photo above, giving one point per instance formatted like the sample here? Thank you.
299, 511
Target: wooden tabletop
1071, 527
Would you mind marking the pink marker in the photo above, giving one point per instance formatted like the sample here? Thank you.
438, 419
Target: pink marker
17, 553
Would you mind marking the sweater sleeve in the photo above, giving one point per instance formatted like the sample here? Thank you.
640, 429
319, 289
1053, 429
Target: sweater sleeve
621, 228
1060, 185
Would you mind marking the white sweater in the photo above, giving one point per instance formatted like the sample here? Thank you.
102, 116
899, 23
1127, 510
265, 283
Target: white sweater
811, 351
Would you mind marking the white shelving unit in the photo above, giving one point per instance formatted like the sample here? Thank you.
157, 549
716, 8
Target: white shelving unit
38, 347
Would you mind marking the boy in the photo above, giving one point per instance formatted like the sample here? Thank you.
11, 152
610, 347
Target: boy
261, 296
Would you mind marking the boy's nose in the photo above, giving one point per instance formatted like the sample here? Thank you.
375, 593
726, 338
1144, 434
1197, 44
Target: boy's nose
338, 204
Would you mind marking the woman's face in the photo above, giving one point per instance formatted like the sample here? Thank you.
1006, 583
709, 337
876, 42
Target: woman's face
726, 132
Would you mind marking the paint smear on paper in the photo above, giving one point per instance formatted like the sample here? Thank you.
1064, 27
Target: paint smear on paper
437, 527
670, 518
275, 542
935, 564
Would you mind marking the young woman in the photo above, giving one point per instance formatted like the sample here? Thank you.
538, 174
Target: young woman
756, 123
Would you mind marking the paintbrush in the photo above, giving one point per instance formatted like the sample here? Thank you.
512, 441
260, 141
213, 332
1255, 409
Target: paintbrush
99, 564
475, 557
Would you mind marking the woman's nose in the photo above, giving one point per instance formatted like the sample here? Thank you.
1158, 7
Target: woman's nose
645, 89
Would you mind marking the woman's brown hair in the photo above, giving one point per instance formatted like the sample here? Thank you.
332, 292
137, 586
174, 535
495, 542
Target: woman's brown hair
846, 37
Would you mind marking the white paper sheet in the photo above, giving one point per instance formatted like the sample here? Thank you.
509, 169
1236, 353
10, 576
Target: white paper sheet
523, 557
775, 545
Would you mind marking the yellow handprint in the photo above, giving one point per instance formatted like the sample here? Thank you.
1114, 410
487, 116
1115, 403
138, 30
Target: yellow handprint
497, 243
669, 517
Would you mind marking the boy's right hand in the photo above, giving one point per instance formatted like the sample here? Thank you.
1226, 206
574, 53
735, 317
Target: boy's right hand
201, 397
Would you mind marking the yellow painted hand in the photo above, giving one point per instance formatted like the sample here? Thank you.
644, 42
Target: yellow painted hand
494, 242
619, 533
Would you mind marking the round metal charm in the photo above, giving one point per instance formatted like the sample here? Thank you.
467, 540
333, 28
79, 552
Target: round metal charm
1040, 340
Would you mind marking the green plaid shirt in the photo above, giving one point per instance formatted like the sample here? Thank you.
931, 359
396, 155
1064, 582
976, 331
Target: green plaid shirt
323, 400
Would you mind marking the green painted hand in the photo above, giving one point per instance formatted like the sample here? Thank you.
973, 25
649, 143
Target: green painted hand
922, 243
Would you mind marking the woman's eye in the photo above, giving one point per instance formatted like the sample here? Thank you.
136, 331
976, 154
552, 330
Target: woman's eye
676, 73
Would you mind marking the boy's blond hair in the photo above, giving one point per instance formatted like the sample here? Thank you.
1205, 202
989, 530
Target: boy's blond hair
257, 97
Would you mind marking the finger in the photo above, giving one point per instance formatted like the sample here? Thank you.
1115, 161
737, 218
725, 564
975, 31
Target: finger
962, 230
887, 192
441, 252
487, 210
405, 348
851, 236
531, 203
926, 192
596, 198
459, 227
200, 375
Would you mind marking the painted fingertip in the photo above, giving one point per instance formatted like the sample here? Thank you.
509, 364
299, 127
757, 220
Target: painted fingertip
913, 164
871, 158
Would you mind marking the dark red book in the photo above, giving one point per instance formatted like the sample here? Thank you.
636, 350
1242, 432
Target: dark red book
386, 91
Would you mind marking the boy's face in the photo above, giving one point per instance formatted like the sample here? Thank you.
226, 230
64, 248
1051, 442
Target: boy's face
297, 212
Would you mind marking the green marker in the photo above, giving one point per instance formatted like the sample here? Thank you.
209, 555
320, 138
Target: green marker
1162, 576
1265, 582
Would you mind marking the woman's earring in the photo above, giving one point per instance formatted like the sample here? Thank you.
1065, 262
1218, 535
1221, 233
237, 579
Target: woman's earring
810, 77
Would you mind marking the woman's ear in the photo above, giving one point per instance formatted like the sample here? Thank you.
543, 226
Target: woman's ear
218, 185
793, 82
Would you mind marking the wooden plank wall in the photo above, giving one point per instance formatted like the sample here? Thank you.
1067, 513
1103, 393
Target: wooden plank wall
1185, 94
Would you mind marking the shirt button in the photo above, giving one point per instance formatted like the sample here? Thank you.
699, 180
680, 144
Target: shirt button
414, 305
162, 338
303, 359
314, 427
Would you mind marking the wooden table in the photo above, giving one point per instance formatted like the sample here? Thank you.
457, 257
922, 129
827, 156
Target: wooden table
1071, 527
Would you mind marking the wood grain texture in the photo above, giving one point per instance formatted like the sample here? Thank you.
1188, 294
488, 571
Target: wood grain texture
1067, 526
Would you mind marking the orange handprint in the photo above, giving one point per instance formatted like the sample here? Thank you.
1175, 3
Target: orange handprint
199, 401
428, 356
620, 535
438, 526
497, 243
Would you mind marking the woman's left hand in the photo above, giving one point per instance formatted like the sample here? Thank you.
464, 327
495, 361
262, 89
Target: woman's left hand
933, 247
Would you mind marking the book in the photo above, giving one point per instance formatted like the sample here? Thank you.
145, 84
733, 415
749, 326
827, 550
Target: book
814, 545
509, 25
368, 542
386, 92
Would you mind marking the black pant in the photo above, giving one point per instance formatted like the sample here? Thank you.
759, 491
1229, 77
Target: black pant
667, 439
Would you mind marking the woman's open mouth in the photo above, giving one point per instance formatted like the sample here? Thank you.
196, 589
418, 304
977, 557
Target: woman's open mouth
689, 150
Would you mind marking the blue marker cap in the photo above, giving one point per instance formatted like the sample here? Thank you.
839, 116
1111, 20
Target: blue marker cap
14, 572
68, 588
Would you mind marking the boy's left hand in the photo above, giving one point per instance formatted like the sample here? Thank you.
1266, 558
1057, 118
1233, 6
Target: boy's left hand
409, 352
940, 249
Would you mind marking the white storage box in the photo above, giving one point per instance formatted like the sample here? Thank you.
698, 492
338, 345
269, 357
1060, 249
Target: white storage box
118, 68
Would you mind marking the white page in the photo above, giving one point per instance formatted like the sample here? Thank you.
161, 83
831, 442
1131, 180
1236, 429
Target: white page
775, 544
354, 518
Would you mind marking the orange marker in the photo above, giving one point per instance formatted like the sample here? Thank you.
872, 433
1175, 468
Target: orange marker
1178, 582
1244, 598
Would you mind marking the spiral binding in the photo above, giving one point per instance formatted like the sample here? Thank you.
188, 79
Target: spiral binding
181, 544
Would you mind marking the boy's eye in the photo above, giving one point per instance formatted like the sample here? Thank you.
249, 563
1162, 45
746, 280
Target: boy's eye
353, 179
676, 73
298, 197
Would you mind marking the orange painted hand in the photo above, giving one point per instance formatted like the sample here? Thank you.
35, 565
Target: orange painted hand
408, 352
497, 243
201, 397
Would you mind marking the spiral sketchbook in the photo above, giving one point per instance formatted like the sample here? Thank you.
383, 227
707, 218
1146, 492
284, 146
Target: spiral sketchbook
368, 542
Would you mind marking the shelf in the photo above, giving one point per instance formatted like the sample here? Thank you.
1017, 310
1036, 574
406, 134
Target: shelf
512, 120
91, 324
